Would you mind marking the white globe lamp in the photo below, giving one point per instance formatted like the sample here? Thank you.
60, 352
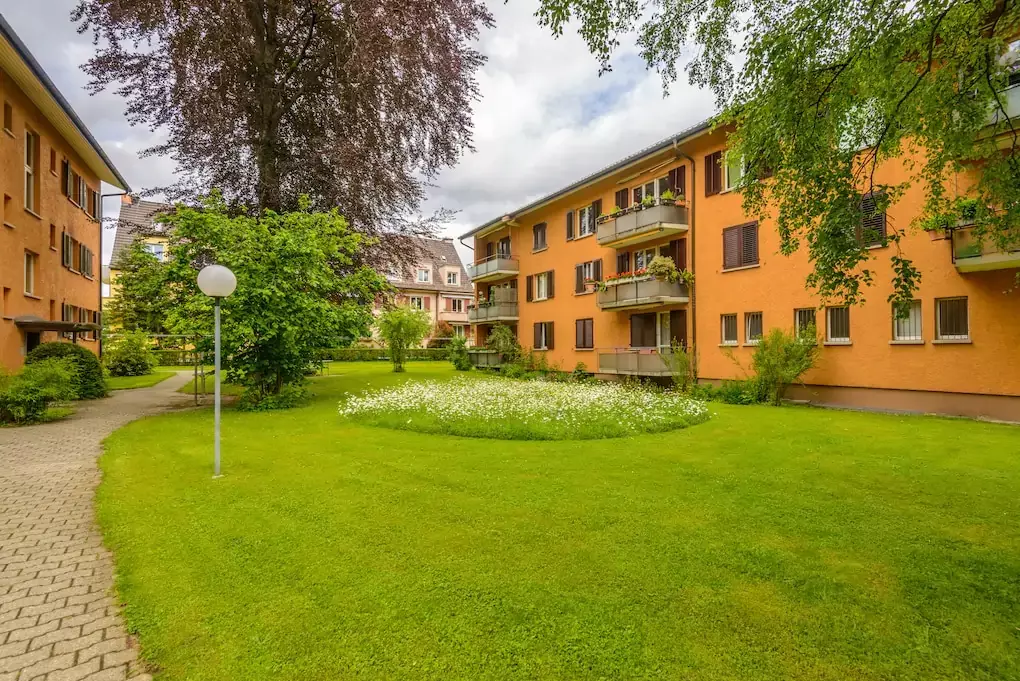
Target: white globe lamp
217, 282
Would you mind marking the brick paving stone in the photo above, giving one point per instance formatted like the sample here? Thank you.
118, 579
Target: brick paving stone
58, 619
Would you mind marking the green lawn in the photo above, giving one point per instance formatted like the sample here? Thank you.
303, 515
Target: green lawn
767, 543
210, 386
159, 375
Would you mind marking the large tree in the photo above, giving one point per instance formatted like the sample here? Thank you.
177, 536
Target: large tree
353, 103
823, 92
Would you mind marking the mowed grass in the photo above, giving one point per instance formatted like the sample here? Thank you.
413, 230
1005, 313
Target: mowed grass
159, 375
767, 543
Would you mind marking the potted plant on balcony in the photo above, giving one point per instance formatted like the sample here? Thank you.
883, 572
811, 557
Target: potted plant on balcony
663, 268
668, 198
647, 201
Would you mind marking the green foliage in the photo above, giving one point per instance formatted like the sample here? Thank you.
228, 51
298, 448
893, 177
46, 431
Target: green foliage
363, 354
502, 339
580, 372
683, 365
130, 354
140, 303
513, 370
89, 381
459, 354
736, 392
291, 395
822, 93
780, 359
300, 288
402, 327
24, 397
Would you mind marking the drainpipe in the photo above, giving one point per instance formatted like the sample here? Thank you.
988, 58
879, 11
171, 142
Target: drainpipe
694, 233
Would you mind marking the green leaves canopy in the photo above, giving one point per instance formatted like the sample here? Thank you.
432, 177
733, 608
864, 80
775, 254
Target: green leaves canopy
824, 92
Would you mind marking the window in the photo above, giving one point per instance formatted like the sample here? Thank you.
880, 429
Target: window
643, 258
87, 260
952, 319
653, 188
456, 305
8, 117
585, 272
539, 286
157, 250
416, 302
452, 278
424, 275
75, 186
53, 237
1014, 66
752, 327
538, 237
713, 173
740, 246
908, 328
459, 330
729, 329
67, 248
837, 324
31, 262
543, 336
584, 334
643, 331
586, 221
733, 170
503, 247
393, 274
803, 319
53, 160
873, 222
31, 168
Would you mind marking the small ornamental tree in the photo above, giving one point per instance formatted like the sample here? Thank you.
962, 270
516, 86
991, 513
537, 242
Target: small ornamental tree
298, 290
403, 327
459, 354
782, 358
140, 301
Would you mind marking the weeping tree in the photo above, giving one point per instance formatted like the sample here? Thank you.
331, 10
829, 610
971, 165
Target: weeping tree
823, 92
353, 104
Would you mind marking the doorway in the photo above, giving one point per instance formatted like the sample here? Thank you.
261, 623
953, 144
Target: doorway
32, 340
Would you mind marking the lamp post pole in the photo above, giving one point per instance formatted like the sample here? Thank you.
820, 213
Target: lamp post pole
217, 282
216, 408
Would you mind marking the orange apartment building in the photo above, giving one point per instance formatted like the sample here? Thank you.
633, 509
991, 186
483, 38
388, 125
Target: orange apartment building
51, 238
956, 354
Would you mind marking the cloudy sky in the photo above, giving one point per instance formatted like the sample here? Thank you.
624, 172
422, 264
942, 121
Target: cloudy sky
545, 119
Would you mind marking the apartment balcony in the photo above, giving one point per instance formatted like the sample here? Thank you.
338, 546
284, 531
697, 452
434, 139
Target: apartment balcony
1010, 98
630, 294
973, 255
454, 317
501, 307
643, 225
634, 362
485, 359
493, 268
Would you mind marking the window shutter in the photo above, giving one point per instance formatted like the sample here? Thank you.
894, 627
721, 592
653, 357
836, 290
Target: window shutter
678, 251
550, 279
549, 336
590, 333
671, 180
749, 244
570, 225
538, 336
449, 304
596, 270
490, 249
579, 333
678, 327
681, 181
425, 302
635, 331
713, 173
596, 210
622, 198
65, 177
731, 247
529, 288
873, 223
637, 196
578, 278
622, 262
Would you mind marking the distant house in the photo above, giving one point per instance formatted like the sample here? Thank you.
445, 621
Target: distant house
136, 223
437, 283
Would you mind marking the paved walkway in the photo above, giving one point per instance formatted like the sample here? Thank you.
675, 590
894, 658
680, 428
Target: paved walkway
58, 619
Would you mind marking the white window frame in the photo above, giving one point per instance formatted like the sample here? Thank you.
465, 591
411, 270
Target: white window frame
748, 316
728, 184
31, 265
542, 286
647, 254
797, 329
829, 338
662, 340
585, 221
910, 329
457, 305
938, 320
31, 167
427, 272
416, 302
588, 270
452, 279
722, 330
158, 250
656, 186
459, 331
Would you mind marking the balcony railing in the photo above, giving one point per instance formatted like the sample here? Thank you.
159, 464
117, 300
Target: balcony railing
643, 225
645, 292
494, 267
971, 254
485, 359
501, 307
635, 362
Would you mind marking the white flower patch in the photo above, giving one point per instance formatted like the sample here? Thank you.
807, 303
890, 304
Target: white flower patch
497, 407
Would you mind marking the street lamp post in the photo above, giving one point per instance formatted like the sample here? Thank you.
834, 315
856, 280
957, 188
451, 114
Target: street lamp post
217, 282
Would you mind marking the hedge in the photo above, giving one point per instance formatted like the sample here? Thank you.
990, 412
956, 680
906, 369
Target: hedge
381, 354
90, 382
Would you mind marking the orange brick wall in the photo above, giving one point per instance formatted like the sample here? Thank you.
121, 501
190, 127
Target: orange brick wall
22, 230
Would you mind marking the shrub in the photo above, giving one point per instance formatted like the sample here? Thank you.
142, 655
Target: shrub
513, 371
290, 395
360, 354
580, 372
21, 402
90, 382
683, 365
130, 355
25, 397
459, 354
735, 392
401, 328
781, 358
502, 340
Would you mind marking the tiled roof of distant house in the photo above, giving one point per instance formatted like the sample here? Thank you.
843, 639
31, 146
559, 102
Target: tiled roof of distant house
438, 253
135, 221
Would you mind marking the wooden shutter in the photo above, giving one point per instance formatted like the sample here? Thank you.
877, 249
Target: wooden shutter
425, 302
623, 262
749, 244
579, 279
873, 223
65, 175
678, 327
731, 247
681, 181
549, 336
549, 278
449, 304
622, 198
529, 287
596, 270
671, 180
596, 210
637, 196
537, 341
713, 173
570, 225
490, 249
678, 252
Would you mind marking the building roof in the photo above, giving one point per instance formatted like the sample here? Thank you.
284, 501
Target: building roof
25, 71
437, 253
656, 148
135, 221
